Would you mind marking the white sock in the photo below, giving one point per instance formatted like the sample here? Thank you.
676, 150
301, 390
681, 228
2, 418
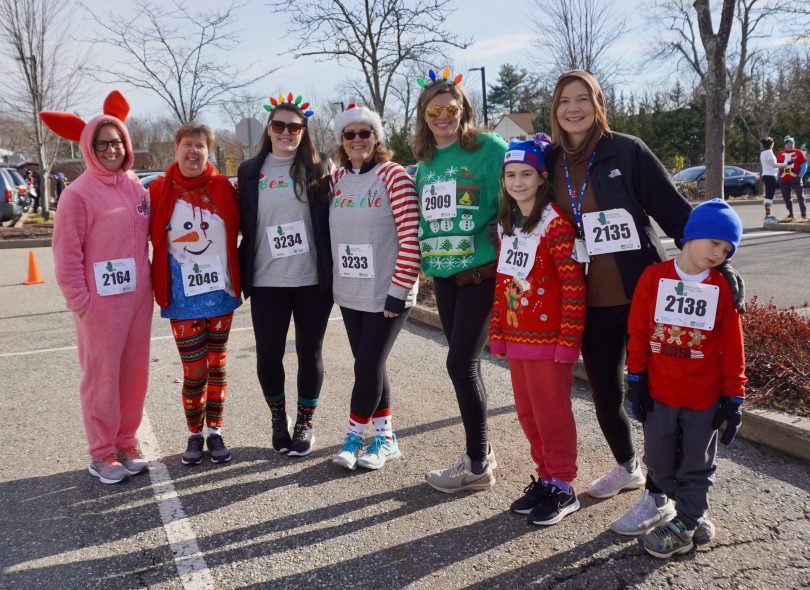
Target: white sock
357, 427
382, 426
213, 431
631, 465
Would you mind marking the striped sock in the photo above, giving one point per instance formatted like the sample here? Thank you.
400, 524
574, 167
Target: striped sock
357, 425
382, 423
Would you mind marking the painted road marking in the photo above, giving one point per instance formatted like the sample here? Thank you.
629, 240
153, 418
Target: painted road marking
191, 566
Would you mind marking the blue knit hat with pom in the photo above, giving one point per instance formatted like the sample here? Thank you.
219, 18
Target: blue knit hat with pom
716, 220
532, 152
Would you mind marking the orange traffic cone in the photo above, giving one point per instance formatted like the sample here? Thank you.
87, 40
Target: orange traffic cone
34, 278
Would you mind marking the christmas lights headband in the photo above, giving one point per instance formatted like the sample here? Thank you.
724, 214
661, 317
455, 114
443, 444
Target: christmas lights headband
289, 99
435, 78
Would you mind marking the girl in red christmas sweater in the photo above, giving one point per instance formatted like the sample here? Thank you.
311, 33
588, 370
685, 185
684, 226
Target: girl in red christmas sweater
537, 322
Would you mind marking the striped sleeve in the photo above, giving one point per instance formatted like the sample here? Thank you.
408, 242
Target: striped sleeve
404, 207
560, 243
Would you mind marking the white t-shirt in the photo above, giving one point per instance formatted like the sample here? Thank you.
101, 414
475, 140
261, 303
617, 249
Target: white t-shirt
767, 160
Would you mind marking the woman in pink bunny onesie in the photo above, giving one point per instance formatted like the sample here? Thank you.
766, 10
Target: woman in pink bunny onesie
100, 252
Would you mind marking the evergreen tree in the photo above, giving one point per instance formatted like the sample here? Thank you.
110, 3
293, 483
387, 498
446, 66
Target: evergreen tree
506, 93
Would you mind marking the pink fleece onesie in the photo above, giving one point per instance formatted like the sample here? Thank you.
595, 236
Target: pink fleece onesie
104, 216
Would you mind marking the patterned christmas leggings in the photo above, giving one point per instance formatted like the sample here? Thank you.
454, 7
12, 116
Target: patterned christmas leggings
203, 347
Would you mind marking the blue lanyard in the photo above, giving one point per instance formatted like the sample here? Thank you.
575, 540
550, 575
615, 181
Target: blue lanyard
576, 198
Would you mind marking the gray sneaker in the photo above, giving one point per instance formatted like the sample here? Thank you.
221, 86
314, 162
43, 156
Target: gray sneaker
643, 517
704, 532
132, 460
217, 451
108, 469
194, 450
460, 477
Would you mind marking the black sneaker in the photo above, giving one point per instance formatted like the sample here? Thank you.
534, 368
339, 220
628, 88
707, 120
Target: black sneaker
281, 433
532, 495
302, 439
194, 450
217, 450
554, 506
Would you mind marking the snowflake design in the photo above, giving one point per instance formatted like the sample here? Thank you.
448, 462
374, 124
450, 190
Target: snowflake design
445, 264
451, 172
455, 262
429, 177
431, 262
465, 260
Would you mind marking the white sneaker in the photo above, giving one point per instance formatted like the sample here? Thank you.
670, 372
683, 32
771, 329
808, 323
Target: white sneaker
378, 452
643, 517
615, 481
349, 452
460, 477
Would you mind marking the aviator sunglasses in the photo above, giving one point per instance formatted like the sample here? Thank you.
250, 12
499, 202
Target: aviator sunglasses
451, 110
350, 135
280, 126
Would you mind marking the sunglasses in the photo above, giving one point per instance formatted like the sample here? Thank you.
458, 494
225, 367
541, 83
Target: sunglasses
280, 126
103, 145
451, 110
350, 135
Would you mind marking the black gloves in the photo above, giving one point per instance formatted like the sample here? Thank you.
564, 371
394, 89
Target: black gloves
394, 305
492, 232
728, 412
735, 283
638, 392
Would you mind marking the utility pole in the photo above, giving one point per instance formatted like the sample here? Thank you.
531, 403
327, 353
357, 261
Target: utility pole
483, 91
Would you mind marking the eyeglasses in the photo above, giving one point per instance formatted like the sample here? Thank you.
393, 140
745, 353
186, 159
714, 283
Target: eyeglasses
451, 110
280, 126
350, 135
102, 145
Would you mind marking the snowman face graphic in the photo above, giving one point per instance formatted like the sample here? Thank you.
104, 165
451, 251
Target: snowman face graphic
466, 223
446, 225
193, 232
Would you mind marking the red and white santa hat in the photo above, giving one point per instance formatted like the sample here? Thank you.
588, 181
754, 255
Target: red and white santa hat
358, 114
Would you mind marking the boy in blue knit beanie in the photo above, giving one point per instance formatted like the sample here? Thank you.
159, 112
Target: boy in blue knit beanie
686, 377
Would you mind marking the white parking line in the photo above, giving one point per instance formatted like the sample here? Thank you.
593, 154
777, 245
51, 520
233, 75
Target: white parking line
62, 348
191, 566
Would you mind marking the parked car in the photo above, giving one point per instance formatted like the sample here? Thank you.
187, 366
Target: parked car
145, 173
9, 209
736, 181
23, 198
147, 180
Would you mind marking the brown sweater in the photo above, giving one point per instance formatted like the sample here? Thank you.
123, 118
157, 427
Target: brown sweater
604, 283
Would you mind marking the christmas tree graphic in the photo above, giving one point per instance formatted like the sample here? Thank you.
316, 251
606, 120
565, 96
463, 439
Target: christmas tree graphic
465, 173
109, 266
466, 199
679, 289
463, 245
602, 218
446, 245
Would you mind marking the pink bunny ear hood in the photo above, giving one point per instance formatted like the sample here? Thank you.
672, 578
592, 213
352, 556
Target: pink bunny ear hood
86, 144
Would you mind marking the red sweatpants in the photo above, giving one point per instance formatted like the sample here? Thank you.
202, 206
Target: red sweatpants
543, 403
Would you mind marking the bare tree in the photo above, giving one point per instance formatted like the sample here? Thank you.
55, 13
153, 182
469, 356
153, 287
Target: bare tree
170, 51
686, 34
34, 36
578, 34
380, 36
243, 105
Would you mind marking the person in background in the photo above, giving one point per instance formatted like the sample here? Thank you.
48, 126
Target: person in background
793, 169
60, 186
195, 273
100, 250
286, 264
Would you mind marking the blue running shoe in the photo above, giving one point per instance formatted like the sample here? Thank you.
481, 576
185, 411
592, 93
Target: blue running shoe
379, 451
349, 452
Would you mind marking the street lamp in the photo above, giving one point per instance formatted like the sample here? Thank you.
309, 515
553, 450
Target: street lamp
483, 91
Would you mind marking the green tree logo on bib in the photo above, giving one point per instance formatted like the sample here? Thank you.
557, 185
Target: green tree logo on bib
109, 266
280, 230
679, 289
602, 218
196, 268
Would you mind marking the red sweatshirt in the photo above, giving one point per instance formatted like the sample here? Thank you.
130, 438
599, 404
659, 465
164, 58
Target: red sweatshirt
688, 368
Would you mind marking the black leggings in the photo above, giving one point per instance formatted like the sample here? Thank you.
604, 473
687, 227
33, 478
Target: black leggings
271, 308
464, 313
604, 346
770, 186
371, 337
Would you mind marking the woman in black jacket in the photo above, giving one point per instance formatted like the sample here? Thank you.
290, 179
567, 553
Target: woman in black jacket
286, 263
610, 185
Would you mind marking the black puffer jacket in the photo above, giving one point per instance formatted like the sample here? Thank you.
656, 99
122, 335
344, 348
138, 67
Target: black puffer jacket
248, 185
627, 175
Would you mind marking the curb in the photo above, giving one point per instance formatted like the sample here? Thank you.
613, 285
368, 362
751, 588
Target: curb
27, 243
780, 225
783, 432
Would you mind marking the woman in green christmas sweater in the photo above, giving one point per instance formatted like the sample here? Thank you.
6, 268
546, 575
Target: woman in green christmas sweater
457, 183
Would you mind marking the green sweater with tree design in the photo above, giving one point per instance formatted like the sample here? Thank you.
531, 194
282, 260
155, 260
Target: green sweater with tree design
459, 243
